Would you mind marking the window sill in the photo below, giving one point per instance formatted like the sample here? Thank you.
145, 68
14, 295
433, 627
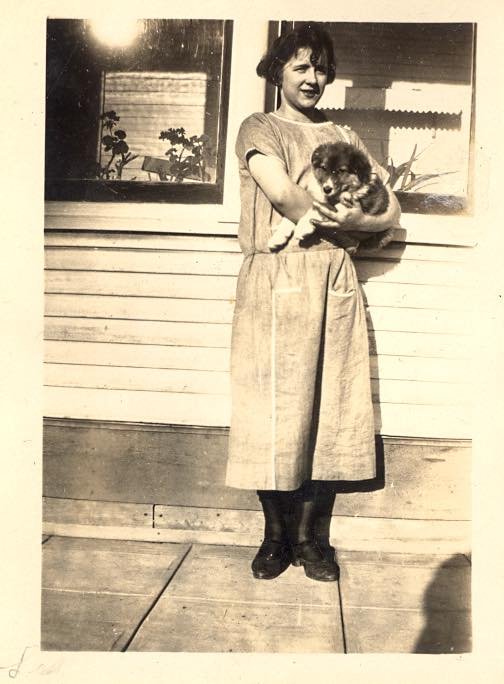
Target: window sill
203, 219
119, 191
135, 217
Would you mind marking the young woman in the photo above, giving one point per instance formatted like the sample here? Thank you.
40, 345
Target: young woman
301, 398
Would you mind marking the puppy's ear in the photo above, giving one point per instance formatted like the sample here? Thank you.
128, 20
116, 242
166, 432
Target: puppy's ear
360, 165
319, 154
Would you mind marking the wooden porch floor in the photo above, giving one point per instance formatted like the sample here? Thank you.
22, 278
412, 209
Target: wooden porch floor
103, 595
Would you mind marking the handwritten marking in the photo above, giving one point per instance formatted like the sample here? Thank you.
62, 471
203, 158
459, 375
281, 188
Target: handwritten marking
14, 670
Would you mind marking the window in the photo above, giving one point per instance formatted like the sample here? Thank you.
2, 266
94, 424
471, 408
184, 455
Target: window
407, 90
136, 111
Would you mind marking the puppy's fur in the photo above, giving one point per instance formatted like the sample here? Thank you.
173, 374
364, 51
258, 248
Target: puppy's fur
343, 175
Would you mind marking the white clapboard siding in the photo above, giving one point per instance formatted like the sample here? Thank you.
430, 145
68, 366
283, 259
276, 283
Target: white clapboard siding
155, 243
223, 287
418, 367
427, 393
179, 408
215, 263
140, 332
219, 335
217, 359
138, 355
158, 81
417, 320
141, 379
139, 327
214, 410
135, 100
221, 311
212, 382
140, 308
416, 296
142, 284
148, 261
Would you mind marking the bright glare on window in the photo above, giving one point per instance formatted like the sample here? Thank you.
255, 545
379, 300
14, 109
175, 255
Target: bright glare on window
116, 31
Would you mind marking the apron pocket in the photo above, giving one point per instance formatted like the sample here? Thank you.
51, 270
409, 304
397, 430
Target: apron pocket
341, 303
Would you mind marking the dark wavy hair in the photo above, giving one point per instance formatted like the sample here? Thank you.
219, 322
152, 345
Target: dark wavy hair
284, 47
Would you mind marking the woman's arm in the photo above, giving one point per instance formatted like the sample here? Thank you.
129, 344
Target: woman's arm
294, 202
287, 197
353, 218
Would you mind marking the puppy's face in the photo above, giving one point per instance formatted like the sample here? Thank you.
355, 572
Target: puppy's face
339, 167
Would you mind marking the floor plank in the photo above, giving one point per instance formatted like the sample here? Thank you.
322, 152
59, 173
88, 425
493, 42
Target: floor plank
190, 625
398, 603
214, 604
104, 595
89, 622
95, 592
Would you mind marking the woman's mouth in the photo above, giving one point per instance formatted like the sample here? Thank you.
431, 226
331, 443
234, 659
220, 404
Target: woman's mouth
310, 93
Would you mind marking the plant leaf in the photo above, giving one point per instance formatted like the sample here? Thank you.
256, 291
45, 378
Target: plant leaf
407, 169
417, 181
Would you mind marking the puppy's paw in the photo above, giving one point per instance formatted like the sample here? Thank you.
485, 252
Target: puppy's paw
304, 233
304, 228
277, 241
281, 234
361, 192
347, 199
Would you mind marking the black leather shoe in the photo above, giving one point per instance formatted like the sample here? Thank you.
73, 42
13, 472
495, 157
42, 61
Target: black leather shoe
272, 559
316, 565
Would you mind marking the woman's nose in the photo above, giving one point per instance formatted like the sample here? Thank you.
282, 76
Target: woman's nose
310, 75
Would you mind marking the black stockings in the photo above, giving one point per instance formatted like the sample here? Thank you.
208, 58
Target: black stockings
290, 512
273, 505
303, 512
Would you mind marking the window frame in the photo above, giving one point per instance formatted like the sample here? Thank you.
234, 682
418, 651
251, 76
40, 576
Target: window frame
101, 190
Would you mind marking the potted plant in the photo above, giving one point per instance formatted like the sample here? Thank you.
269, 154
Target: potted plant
115, 143
187, 157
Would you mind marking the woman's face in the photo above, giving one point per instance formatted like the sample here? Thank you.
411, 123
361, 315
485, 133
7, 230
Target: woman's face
303, 83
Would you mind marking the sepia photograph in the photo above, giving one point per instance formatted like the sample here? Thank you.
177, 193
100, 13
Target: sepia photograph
259, 296
248, 424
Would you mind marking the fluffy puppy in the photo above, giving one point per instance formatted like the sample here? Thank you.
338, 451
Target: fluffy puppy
342, 175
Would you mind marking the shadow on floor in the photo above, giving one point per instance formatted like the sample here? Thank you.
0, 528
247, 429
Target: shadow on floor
447, 609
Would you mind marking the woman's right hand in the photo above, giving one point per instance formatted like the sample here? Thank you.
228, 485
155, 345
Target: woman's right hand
343, 216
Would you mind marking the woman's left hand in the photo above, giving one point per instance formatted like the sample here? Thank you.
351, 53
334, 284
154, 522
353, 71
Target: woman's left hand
340, 217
